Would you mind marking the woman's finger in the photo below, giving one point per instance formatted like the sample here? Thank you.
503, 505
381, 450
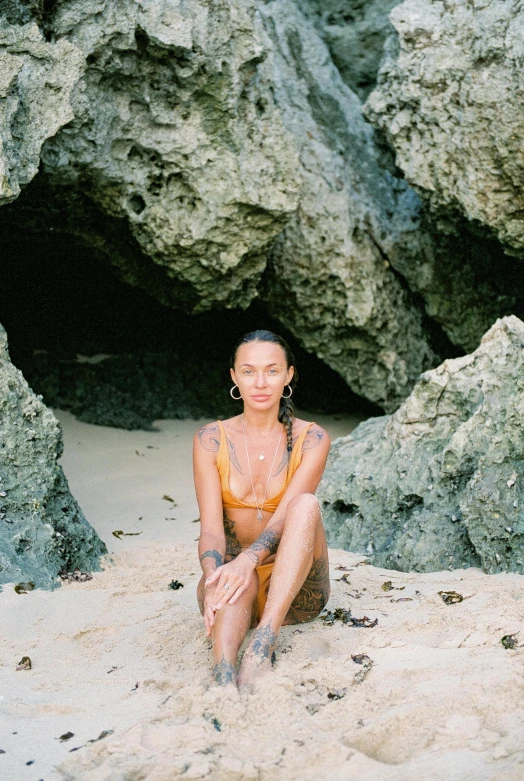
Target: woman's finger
214, 577
238, 593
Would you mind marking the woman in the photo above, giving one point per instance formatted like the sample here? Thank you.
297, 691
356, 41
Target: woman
262, 545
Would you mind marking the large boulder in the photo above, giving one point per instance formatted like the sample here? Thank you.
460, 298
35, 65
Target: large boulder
330, 279
209, 129
440, 483
174, 133
42, 528
36, 81
450, 98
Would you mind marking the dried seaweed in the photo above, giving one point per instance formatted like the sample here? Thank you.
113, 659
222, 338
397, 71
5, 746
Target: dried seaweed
214, 721
23, 588
344, 579
337, 694
66, 736
339, 614
175, 585
510, 641
169, 499
388, 586
119, 534
343, 568
77, 574
361, 659
450, 597
24, 663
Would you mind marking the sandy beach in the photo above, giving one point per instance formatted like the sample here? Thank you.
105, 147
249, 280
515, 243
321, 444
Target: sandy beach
122, 662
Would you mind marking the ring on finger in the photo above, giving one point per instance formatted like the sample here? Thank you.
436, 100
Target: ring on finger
227, 585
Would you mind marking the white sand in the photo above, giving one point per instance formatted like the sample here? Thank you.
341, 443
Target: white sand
443, 700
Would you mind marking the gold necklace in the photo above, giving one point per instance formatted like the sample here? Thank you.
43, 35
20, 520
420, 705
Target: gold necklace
259, 509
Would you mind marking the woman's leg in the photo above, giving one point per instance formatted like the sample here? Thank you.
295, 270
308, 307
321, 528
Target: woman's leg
231, 625
299, 586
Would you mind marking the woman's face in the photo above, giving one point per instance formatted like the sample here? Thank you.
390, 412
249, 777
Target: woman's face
261, 373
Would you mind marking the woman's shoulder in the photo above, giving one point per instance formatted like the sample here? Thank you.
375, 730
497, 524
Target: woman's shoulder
208, 436
314, 434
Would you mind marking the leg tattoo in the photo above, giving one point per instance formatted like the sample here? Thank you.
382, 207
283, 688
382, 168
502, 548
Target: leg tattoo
224, 672
263, 643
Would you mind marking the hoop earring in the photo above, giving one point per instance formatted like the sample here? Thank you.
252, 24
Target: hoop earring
290, 393
237, 398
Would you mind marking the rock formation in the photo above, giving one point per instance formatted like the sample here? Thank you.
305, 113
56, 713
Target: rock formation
449, 98
439, 483
36, 80
208, 131
42, 529
355, 32
213, 155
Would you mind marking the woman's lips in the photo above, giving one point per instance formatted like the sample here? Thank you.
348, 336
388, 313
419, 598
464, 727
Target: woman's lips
261, 397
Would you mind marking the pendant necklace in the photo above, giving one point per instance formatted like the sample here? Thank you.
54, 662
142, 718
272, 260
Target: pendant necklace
261, 457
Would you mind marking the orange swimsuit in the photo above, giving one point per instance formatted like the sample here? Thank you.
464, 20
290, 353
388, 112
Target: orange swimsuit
229, 500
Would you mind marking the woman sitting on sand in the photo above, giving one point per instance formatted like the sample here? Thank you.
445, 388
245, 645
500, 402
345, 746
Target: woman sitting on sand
262, 545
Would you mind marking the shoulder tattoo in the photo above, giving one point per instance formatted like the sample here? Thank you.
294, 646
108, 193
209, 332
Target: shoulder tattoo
313, 438
209, 438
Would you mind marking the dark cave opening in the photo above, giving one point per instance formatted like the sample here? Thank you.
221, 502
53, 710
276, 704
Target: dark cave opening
111, 353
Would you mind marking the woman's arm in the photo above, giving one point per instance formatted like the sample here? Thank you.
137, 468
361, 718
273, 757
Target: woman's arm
212, 542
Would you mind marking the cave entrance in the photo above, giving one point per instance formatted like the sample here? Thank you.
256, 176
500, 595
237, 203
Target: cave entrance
108, 351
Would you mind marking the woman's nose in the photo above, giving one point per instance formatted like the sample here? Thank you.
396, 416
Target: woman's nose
261, 380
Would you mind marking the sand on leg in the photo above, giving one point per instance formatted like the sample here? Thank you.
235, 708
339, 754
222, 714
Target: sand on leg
299, 586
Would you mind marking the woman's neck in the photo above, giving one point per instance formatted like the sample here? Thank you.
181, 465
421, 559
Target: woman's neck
262, 421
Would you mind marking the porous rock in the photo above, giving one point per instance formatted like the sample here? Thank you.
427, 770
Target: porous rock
330, 279
440, 483
36, 80
355, 32
42, 528
210, 128
174, 133
449, 98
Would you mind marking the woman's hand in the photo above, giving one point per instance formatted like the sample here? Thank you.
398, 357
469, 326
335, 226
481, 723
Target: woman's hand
230, 581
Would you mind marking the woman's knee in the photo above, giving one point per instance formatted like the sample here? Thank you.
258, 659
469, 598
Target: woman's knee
306, 504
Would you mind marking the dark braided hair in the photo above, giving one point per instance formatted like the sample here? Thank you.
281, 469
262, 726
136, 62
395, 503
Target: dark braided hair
286, 412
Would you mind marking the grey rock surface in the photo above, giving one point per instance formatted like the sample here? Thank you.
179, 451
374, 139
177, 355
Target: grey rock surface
174, 133
355, 32
330, 280
42, 528
440, 483
449, 98
206, 129
36, 80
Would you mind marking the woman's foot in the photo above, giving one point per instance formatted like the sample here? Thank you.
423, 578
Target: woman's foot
257, 658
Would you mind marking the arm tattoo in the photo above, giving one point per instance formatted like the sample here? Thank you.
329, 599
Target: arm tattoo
209, 438
233, 547
313, 438
268, 540
213, 554
233, 456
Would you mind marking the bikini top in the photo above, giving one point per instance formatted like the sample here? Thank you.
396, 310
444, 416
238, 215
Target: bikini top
229, 500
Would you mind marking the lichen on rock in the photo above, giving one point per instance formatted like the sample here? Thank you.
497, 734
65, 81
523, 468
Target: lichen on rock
440, 483
42, 528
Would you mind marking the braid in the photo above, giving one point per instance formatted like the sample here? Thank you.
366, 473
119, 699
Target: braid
286, 415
